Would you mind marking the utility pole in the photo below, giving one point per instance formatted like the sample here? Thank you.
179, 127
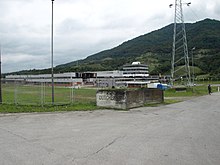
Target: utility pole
193, 70
0, 74
180, 48
52, 74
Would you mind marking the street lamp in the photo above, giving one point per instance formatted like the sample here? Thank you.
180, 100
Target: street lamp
0, 75
52, 75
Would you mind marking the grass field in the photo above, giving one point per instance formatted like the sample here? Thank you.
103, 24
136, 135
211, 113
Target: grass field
41, 95
200, 89
26, 98
37, 98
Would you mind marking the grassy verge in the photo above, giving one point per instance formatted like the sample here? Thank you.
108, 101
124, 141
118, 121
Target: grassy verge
198, 90
166, 102
6, 108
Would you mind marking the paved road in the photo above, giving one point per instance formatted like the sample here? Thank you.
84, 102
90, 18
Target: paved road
186, 133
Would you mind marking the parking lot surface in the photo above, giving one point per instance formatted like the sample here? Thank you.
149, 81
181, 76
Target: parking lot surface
186, 133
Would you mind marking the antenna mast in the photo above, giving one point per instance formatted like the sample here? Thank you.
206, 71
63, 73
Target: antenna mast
180, 58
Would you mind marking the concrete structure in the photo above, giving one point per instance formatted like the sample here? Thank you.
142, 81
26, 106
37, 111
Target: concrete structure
126, 99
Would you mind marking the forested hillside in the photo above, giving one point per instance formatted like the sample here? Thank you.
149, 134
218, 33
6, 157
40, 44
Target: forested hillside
155, 50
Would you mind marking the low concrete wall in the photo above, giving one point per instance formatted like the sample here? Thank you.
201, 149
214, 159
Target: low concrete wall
126, 99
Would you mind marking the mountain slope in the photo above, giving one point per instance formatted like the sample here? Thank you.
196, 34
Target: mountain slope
155, 50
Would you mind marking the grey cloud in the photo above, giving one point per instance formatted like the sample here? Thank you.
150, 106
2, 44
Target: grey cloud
217, 9
83, 33
69, 26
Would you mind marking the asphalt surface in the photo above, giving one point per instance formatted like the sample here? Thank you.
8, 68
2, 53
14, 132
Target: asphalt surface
186, 133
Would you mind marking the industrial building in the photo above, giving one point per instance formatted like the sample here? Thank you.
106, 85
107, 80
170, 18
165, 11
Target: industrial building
133, 75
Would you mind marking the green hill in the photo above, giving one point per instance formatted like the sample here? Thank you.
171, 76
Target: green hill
155, 50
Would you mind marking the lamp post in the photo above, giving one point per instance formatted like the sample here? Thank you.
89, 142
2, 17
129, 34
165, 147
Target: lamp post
0, 75
52, 74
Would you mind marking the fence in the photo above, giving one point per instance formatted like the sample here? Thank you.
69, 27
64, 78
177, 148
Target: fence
23, 93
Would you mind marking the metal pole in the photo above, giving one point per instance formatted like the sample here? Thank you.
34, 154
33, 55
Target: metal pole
0, 75
174, 47
52, 74
193, 71
15, 92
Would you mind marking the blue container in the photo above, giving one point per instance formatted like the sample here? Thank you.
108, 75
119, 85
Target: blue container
162, 87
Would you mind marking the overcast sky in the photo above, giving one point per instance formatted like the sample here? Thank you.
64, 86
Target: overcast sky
82, 27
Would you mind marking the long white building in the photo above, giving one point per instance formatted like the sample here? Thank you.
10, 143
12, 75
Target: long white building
134, 74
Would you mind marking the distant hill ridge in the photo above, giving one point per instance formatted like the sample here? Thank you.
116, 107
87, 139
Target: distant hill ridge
155, 49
